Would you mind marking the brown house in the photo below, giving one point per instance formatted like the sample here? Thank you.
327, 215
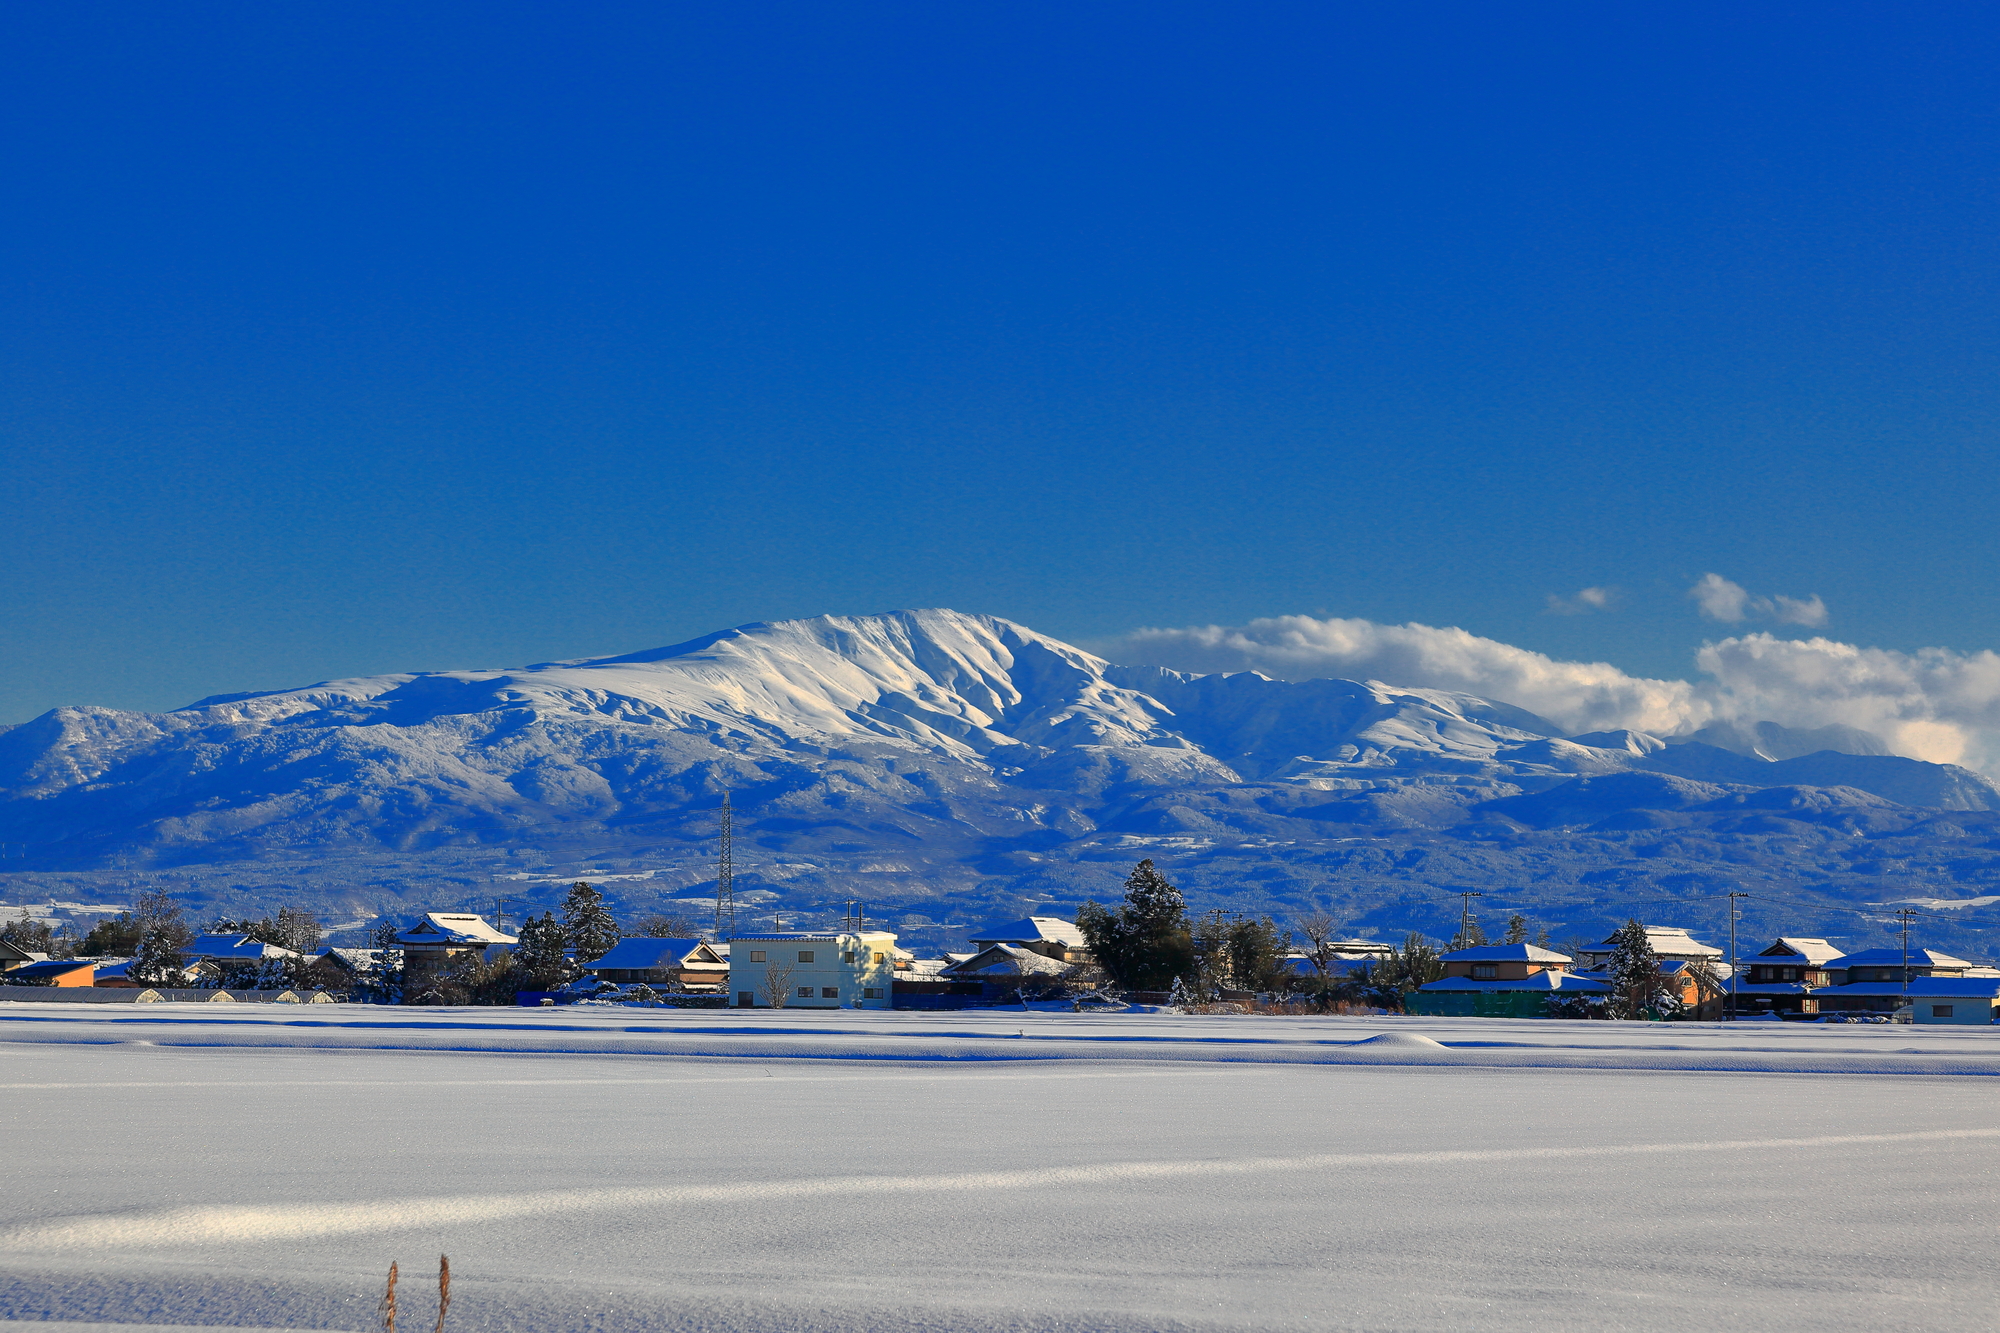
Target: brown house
432, 945
1502, 962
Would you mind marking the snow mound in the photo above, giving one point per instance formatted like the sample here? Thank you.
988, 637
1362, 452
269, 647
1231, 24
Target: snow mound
1402, 1039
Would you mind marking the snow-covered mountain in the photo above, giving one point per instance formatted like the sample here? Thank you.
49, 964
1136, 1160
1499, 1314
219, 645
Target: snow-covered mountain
958, 743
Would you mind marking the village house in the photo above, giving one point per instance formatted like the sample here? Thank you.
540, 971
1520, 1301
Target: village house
432, 945
1669, 944
1007, 966
1781, 978
13, 955
680, 964
835, 970
1500, 981
1049, 936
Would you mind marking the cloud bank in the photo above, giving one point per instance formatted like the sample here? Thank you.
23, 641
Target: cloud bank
1936, 704
1732, 603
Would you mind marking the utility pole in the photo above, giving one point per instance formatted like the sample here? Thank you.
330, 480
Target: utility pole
1465, 917
725, 879
1908, 914
1734, 917
499, 911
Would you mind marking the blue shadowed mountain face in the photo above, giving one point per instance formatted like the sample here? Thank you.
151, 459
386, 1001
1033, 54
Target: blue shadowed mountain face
948, 768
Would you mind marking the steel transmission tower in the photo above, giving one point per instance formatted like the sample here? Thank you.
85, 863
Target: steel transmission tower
725, 876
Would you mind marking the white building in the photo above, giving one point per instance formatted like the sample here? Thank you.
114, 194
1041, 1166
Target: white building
836, 970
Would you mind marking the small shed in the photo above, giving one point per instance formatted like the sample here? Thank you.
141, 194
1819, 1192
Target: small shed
57, 973
1524, 997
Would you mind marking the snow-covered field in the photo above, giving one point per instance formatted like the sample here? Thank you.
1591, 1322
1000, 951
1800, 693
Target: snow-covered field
998, 1170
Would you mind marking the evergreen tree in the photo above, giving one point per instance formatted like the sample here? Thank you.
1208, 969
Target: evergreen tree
161, 960
1470, 935
1257, 952
163, 939
587, 924
113, 937
26, 933
1637, 989
381, 981
1517, 929
1384, 983
540, 959
1146, 943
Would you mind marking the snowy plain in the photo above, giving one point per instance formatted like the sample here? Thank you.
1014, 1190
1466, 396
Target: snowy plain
626, 1169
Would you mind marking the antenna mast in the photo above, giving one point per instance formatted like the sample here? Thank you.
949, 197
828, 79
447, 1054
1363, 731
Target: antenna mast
725, 877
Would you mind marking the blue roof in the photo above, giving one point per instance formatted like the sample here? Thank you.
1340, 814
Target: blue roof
1894, 958
52, 968
1540, 981
643, 951
1922, 987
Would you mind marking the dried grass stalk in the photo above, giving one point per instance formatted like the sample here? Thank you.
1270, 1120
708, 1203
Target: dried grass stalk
444, 1289
389, 1302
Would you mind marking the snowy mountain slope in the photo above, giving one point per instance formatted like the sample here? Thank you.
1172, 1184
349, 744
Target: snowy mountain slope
929, 753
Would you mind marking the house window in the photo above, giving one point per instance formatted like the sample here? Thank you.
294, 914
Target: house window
1940, 1011
756, 955
805, 955
878, 957
871, 992
805, 992
1484, 971
829, 992
847, 957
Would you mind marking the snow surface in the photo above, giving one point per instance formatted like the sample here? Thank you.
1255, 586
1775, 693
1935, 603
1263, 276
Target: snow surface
627, 1169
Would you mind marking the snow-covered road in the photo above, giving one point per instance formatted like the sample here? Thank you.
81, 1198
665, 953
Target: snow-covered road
262, 1167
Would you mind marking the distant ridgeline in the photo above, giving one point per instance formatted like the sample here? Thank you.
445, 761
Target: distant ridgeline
947, 767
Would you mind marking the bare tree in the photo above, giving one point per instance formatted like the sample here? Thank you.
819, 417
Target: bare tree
1321, 931
667, 927
777, 985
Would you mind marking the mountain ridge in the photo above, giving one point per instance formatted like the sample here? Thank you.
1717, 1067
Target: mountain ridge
990, 758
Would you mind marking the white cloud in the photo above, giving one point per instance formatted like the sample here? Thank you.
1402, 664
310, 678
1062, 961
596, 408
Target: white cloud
1582, 696
1732, 603
1584, 602
1937, 703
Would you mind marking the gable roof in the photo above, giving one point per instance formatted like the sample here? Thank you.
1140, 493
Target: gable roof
453, 928
1814, 951
1032, 929
1922, 988
1505, 953
1666, 940
1568, 981
1894, 958
1006, 960
236, 946
11, 952
643, 953
45, 971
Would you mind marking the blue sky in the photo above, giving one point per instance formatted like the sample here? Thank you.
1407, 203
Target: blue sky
352, 338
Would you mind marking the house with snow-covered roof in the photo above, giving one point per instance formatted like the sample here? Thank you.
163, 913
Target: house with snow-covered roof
1503, 962
434, 943
679, 963
834, 970
1781, 978
1500, 981
1667, 941
1005, 963
1050, 936
13, 955
237, 948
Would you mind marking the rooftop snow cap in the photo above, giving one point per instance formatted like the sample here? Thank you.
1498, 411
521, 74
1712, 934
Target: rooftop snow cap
1051, 928
453, 928
1505, 953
